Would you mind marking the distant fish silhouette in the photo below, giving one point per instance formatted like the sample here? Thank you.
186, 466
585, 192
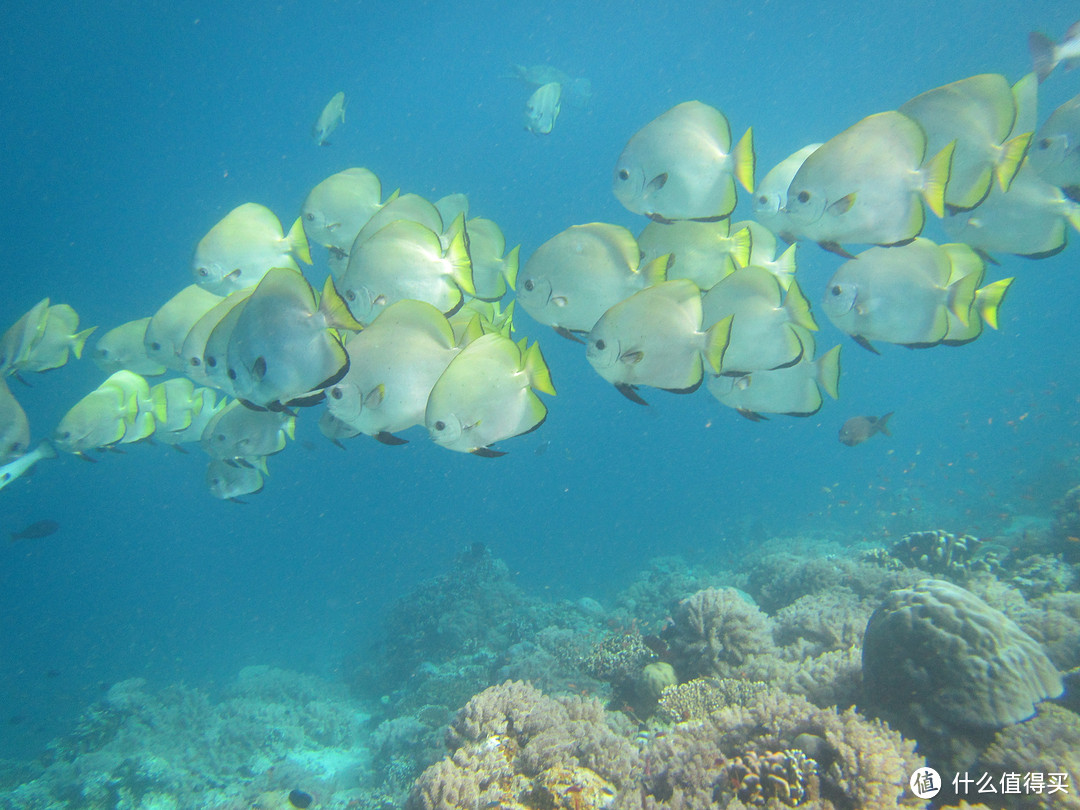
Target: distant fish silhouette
35, 531
858, 429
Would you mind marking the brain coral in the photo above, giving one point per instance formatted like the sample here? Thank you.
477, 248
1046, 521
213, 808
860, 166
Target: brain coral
939, 661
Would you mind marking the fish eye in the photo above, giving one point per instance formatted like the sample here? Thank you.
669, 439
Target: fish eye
530, 285
220, 437
763, 200
202, 271
600, 344
835, 289
624, 174
350, 295
335, 392
195, 362
155, 346
440, 425
211, 361
232, 373
804, 196
310, 217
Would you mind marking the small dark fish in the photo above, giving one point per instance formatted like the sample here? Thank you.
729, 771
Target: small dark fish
299, 798
35, 531
858, 429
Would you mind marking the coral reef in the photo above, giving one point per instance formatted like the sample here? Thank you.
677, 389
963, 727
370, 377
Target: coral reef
944, 554
697, 699
859, 762
516, 747
175, 748
719, 632
1066, 528
942, 665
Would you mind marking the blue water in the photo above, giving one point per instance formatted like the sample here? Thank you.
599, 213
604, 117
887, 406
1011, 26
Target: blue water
128, 130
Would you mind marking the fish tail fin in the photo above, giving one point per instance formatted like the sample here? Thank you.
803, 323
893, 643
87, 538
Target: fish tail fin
937, 171
745, 160
290, 427
537, 370
335, 310
511, 270
1013, 152
473, 329
1043, 54
961, 297
506, 319
298, 243
511, 263
717, 338
1026, 97
159, 398
655, 272
964, 262
828, 371
78, 341
798, 308
1073, 215
742, 244
988, 301
883, 424
142, 426
784, 267
457, 252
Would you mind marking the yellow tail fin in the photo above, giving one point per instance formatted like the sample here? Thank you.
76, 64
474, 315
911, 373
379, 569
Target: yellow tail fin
78, 341
716, 342
937, 178
799, 308
745, 160
828, 373
298, 242
537, 370
742, 245
988, 301
1013, 152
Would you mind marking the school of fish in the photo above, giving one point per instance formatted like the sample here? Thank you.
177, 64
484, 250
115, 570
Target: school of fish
411, 324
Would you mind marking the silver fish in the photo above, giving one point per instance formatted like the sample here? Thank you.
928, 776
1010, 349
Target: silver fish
331, 116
